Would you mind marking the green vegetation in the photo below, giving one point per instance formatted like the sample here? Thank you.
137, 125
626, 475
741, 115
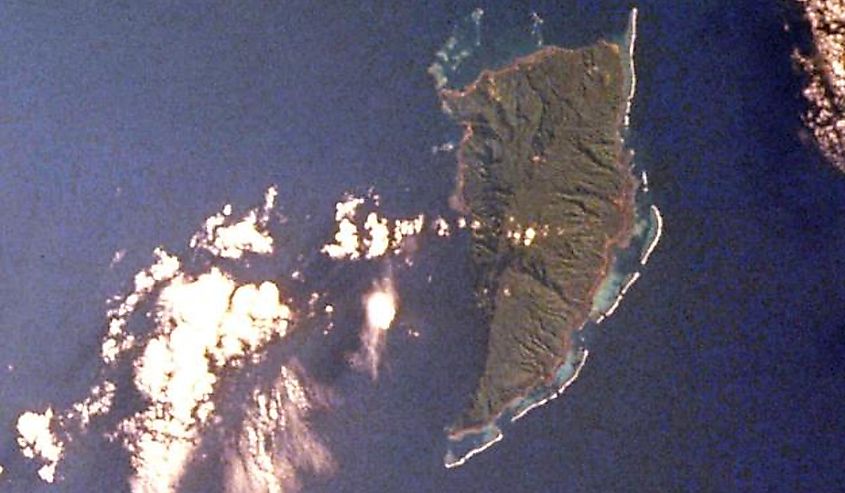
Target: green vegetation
548, 191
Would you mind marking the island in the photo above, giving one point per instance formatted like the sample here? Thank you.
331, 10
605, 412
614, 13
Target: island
547, 189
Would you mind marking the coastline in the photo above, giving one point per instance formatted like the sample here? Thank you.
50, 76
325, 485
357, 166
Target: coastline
658, 217
619, 286
456, 201
450, 462
519, 406
483, 436
632, 71
519, 415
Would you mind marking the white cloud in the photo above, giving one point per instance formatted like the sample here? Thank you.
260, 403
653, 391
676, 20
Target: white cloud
404, 228
379, 240
380, 306
38, 433
382, 236
244, 236
204, 324
442, 227
276, 442
117, 257
36, 440
346, 242
117, 340
526, 236
98, 402
249, 234
346, 238
347, 207
381, 309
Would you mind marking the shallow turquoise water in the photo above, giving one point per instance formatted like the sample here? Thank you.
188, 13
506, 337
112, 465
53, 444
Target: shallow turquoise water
127, 125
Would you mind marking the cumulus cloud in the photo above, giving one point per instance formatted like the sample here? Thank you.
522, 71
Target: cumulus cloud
249, 234
346, 238
383, 235
403, 228
117, 341
522, 235
276, 443
379, 239
38, 441
442, 227
38, 433
380, 307
457, 49
99, 401
204, 324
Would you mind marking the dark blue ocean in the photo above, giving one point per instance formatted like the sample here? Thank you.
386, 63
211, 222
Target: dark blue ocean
124, 125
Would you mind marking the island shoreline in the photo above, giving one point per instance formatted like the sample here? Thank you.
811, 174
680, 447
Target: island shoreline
625, 203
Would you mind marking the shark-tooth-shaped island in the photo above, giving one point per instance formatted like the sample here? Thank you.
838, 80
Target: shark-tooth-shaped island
548, 191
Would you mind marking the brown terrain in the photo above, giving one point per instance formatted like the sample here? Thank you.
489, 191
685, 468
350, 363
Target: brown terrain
547, 187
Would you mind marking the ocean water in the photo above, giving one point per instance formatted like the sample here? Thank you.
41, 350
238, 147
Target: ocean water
124, 127
457, 64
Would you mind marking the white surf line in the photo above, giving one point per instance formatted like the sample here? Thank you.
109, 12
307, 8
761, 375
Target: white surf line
575, 375
651, 247
619, 297
533, 406
461, 461
473, 452
626, 121
559, 391
613, 307
631, 43
630, 283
